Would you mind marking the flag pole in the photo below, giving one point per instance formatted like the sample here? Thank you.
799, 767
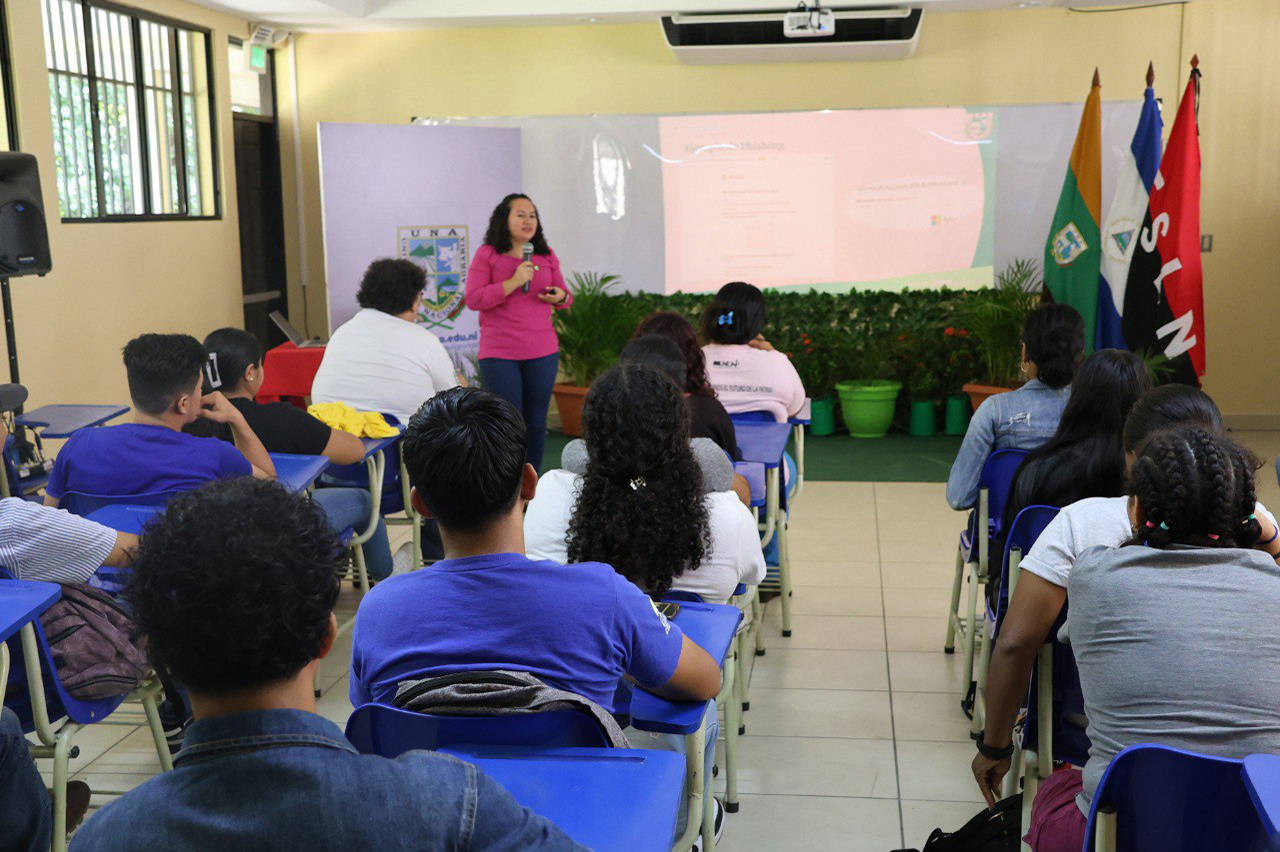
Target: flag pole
1151, 74
1097, 80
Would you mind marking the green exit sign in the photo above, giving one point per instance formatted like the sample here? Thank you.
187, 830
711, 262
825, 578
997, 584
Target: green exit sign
257, 58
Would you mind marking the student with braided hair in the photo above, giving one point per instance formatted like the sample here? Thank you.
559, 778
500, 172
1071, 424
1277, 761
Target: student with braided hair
1042, 584
1155, 624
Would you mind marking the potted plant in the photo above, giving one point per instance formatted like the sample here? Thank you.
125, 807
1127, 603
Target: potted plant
923, 384
592, 333
995, 318
813, 359
959, 364
868, 403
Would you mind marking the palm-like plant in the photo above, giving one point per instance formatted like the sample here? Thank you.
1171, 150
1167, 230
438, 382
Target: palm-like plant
996, 320
595, 328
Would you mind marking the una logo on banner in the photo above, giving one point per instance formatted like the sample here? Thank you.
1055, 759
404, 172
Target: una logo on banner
1068, 244
443, 253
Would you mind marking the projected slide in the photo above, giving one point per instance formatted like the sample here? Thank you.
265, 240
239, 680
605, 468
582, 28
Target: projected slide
827, 199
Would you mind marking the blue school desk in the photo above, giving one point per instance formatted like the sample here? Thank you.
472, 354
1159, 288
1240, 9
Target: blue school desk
298, 472
124, 518
624, 799
709, 626
62, 421
21, 602
1262, 780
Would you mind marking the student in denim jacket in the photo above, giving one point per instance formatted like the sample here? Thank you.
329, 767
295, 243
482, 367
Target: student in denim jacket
1052, 347
234, 588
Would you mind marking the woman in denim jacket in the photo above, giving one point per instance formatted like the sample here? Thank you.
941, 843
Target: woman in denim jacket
1052, 346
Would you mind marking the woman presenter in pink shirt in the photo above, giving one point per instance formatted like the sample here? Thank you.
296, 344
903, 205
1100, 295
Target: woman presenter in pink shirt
514, 283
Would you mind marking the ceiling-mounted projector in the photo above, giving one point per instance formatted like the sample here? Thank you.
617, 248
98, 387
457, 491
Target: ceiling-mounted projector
809, 23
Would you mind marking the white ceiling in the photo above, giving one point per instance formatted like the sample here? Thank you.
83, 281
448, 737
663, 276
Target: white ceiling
337, 15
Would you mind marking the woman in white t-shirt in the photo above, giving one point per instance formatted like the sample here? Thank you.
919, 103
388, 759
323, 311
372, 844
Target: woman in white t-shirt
381, 359
1042, 583
640, 507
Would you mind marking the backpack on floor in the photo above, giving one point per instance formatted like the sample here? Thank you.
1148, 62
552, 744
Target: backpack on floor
996, 830
91, 638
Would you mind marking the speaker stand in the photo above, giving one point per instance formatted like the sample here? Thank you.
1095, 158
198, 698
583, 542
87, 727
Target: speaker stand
26, 452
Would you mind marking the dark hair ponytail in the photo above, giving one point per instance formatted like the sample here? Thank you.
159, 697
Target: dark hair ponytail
1167, 406
1194, 487
1054, 335
234, 351
735, 315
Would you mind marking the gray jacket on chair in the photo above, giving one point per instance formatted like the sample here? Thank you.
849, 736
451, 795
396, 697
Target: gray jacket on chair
499, 693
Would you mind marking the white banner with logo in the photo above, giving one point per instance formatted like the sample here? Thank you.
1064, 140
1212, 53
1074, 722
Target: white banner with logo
421, 193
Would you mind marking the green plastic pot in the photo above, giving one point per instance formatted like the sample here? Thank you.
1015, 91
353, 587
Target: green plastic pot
956, 419
868, 406
924, 419
822, 417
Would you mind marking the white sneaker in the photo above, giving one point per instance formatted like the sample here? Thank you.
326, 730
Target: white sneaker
402, 559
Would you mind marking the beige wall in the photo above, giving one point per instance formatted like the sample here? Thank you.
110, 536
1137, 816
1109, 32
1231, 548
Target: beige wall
111, 282
973, 58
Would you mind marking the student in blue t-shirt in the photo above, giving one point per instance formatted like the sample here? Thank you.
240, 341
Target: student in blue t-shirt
152, 453
486, 606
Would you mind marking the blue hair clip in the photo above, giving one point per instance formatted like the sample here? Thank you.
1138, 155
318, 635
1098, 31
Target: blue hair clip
725, 318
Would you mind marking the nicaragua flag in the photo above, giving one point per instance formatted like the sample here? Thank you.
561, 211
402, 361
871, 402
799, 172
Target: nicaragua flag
1125, 219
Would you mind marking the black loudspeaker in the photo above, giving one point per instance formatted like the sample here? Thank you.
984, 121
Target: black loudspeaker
24, 238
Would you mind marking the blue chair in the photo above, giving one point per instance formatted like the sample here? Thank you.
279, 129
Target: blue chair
794, 476
974, 553
36, 694
10, 484
82, 504
1158, 799
391, 498
1022, 534
391, 731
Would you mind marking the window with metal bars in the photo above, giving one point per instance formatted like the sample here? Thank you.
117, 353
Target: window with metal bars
132, 101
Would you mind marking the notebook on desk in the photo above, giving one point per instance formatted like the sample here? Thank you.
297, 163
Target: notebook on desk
290, 332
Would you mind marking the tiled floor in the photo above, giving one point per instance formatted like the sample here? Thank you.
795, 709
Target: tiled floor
855, 739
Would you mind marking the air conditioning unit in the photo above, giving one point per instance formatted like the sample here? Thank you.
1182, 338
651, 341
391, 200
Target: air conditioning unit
859, 35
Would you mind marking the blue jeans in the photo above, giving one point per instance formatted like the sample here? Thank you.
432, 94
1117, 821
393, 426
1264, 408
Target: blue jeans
350, 507
527, 386
26, 815
676, 742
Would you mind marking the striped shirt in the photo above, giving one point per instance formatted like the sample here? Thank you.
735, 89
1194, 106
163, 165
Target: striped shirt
53, 545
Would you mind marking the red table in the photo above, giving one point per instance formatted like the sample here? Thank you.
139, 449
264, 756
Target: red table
290, 371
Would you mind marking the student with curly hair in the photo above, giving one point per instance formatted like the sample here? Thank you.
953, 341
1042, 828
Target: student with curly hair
381, 359
234, 588
1022, 419
515, 296
1047, 568
748, 374
641, 505
1175, 633
708, 418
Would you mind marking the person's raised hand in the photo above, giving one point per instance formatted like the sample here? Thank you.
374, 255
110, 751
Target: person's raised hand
989, 774
760, 343
553, 296
214, 406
